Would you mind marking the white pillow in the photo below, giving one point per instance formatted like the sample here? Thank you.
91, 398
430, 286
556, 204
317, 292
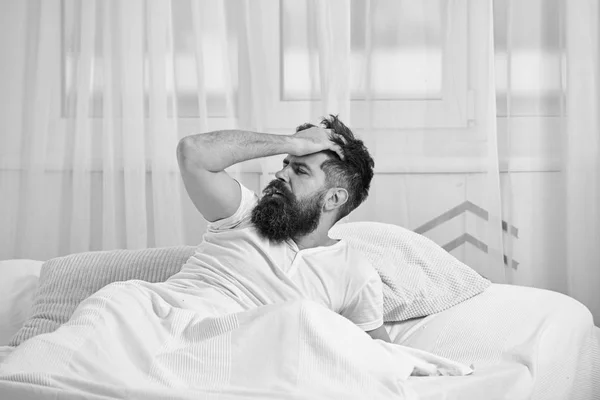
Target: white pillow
419, 277
18, 284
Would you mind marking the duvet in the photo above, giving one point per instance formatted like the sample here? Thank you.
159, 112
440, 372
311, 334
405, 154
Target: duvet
143, 340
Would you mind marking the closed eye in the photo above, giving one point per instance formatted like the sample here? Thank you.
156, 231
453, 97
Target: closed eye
298, 168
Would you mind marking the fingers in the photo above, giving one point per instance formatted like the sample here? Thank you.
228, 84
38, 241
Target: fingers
338, 150
322, 137
331, 134
334, 147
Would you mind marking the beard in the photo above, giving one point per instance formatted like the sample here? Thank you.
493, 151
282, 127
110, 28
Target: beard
282, 216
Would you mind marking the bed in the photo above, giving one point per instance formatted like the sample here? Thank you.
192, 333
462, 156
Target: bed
521, 342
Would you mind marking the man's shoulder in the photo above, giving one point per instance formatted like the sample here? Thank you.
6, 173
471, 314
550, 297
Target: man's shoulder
353, 260
354, 254
241, 218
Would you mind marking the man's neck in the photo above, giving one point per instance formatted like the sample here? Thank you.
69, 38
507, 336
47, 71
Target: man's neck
319, 237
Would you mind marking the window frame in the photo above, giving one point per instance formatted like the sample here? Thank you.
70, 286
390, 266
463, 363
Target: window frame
452, 110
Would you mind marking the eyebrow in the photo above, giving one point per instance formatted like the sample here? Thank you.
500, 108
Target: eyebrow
298, 164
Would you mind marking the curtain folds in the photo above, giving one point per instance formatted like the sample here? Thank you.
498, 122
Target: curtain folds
582, 152
98, 93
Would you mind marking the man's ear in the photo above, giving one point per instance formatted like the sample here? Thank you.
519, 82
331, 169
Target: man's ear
336, 197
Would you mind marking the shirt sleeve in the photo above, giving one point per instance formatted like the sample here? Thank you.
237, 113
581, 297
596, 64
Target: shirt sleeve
241, 216
366, 307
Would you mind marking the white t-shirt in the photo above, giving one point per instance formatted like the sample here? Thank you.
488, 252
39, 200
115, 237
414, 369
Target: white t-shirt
254, 271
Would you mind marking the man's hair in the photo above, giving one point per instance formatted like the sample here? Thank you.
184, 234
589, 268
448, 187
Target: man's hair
354, 173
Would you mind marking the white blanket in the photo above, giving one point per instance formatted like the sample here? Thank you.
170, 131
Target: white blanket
140, 340
525, 343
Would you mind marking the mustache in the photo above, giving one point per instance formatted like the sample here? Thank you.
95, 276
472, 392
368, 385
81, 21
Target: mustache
278, 186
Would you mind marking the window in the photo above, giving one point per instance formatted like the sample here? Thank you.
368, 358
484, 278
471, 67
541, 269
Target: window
219, 71
418, 61
417, 66
531, 31
404, 40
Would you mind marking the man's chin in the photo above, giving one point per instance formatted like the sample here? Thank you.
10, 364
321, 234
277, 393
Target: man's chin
268, 220
278, 219
276, 202
273, 235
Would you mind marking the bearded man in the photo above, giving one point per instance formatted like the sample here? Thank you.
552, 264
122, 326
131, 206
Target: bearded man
276, 249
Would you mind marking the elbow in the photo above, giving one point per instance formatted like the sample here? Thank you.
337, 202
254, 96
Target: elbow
189, 154
183, 147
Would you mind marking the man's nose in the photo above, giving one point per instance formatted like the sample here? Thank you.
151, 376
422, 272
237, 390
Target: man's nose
282, 175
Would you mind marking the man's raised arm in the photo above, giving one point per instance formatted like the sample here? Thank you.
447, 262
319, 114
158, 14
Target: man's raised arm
203, 158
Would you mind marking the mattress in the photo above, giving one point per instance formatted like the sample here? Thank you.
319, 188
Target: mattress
524, 343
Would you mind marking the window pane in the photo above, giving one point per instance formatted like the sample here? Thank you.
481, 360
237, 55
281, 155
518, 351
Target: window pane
220, 59
406, 49
535, 57
217, 81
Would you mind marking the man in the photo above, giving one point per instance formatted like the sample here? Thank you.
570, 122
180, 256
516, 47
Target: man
192, 336
277, 249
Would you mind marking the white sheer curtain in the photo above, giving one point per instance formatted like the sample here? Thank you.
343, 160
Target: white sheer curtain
548, 103
485, 139
582, 152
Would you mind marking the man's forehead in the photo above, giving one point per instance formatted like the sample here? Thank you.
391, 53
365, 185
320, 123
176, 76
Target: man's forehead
315, 159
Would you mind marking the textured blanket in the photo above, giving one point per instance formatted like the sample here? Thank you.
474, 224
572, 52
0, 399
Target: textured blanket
143, 340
